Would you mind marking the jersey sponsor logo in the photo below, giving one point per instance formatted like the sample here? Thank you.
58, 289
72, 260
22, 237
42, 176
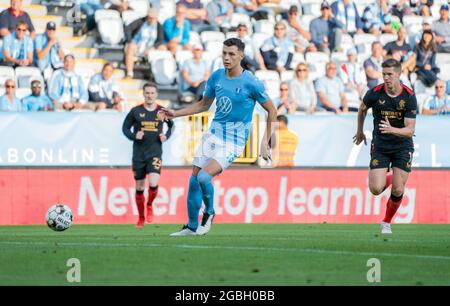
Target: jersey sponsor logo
224, 105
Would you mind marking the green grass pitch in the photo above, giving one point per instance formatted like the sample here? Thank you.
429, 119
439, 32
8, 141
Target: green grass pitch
232, 254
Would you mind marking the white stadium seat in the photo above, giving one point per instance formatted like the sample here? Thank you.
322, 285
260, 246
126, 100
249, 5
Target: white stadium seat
271, 81
5, 74
24, 76
212, 36
164, 71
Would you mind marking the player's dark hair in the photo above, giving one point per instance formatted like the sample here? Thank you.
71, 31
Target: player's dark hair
392, 63
282, 118
235, 42
149, 84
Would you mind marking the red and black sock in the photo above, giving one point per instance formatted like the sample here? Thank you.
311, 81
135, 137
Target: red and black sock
392, 206
152, 193
140, 201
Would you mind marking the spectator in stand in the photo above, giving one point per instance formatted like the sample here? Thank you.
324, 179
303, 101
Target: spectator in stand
426, 68
326, 30
13, 15
9, 102
297, 32
346, 12
197, 15
423, 7
176, 30
439, 103
441, 29
37, 101
372, 66
103, 90
195, 73
278, 51
88, 7
284, 103
245, 6
252, 57
377, 18
219, 14
66, 87
18, 47
415, 38
286, 144
402, 52
119, 5
150, 36
330, 91
352, 74
301, 90
49, 54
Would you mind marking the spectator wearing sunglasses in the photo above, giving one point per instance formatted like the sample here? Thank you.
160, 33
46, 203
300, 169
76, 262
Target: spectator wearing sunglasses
9, 101
18, 47
37, 101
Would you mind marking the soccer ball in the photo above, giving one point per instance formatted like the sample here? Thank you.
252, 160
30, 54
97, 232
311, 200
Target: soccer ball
59, 217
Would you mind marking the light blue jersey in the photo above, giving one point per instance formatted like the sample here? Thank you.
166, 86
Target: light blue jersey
235, 101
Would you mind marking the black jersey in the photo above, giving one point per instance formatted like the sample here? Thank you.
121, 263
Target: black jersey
142, 119
396, 109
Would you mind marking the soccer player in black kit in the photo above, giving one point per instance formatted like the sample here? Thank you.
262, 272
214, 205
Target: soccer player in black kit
147, 137
394, 108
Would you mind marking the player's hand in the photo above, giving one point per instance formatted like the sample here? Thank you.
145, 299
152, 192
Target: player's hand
162, 137
265, 152
385, 126
165, 114
140, 135
360, 137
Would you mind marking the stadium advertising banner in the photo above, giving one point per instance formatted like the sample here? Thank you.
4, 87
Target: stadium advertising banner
96, 139
259, 196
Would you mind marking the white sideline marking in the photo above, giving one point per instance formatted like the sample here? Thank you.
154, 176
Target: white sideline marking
193, 246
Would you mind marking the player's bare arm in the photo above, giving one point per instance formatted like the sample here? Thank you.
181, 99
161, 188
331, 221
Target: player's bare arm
407, 131
203, 105
360, 137
271, 119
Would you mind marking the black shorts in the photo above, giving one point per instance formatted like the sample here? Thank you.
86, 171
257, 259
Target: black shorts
401, 159
142, 168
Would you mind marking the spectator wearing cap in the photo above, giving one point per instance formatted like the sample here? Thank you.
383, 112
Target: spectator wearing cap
196, 14
176, 30
278, 51
439, 103
18, 47
150, 36
345, 11
37, 101
103, 90
352, 74
326, 30
297, 32
247, 7
219, 14
9, 102
88, 7
13, 15
301, 90
49, 54
377, 18
372, 66
67, 89
441, 29
402, 52
330, 91
252, 57
195, 73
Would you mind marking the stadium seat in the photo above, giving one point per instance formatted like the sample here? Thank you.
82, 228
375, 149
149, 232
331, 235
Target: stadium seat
421, 98
259, 38
306, 21
387, 37
111, 32
130, 16
237, 18
139, 9
287, 75
86, 73
216, 64
194, 38
40, 22
210, 57
297, 59
409, 20
182, 55
212, 36
214, 47
442, 58
95, 64
106, 14
23, 92
154, 55
271, 81
339, 57
165, 71
311, 7
24, 76
315, 57
362, 39
77, 42
316, 70
166, 10
231, 34
5, 74
264, 26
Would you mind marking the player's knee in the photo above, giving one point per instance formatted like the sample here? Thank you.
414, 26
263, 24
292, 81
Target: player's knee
376, 190
204, 178
397, 191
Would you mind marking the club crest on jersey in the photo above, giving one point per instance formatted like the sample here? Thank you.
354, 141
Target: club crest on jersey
401, 105
381, 102
142, 115
375, 162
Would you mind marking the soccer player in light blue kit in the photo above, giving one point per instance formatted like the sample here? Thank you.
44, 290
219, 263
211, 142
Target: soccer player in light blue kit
236, 92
